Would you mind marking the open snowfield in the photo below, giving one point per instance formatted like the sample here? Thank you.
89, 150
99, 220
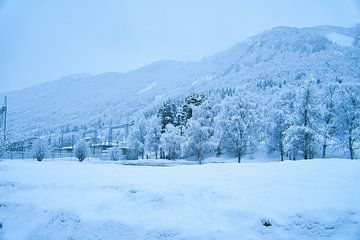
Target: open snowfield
317, 199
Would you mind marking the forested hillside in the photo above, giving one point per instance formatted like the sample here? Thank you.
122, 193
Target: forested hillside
292, 90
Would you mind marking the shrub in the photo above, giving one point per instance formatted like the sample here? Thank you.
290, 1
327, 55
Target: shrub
81, 150
115, 153
39, 150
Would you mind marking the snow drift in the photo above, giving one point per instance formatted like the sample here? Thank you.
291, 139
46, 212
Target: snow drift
314, 199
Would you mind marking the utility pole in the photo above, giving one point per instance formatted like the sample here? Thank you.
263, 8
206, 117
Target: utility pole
127, 128
3, 117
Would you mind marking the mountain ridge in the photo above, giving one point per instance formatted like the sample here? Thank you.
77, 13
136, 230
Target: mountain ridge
282, 54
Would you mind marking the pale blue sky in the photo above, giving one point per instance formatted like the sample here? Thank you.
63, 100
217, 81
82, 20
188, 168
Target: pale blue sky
42, 40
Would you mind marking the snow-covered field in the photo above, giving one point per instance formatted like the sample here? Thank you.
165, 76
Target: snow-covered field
317, 199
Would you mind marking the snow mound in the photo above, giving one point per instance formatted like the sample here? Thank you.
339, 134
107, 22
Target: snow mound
317, 199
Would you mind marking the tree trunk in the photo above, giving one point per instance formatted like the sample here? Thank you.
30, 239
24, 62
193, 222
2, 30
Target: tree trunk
351, 154
282, 152
351, 144
306, 148
239, 158
306, 123
324, 150
161, 155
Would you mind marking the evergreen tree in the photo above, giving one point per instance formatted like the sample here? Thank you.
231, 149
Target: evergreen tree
167, 114
191, 101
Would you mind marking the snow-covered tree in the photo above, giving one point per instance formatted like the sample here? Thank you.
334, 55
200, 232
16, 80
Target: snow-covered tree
199, 131
136, 139
236, 124
301, 135
39, 149
5, 140
153, 134
277, 121
327, 114
348, 117
81, 150
171, 140
196, 139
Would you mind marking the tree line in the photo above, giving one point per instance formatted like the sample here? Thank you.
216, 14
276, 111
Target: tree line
296, 122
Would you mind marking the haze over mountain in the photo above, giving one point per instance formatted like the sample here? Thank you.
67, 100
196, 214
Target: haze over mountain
283, 55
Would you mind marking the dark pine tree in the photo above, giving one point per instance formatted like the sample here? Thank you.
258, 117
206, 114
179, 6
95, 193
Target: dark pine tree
167, 114
194, 99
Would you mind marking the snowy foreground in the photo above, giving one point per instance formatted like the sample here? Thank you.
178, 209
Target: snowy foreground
317, 199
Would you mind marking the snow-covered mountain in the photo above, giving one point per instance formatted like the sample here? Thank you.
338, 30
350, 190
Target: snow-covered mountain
283, 55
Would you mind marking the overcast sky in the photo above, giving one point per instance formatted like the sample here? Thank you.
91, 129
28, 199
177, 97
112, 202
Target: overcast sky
43, 40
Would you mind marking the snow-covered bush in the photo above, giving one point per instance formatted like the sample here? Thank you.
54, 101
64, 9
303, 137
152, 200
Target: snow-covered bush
81, 150
39, 150
115, 153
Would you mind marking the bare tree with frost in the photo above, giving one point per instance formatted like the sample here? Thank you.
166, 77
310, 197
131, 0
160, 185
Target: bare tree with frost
348, 117
153, 134
171, 140
236, 124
